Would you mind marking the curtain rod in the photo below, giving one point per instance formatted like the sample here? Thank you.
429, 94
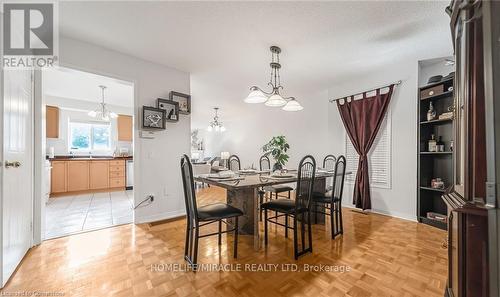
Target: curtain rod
373, 89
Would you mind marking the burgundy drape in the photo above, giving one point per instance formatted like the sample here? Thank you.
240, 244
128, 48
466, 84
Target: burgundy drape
362, 119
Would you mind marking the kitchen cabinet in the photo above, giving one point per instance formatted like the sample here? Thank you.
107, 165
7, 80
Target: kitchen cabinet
125, 128
69, 176
99, 175
58, 177
52, 121
78, 175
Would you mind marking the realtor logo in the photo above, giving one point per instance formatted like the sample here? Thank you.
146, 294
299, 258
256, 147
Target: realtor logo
28, 29
30, 34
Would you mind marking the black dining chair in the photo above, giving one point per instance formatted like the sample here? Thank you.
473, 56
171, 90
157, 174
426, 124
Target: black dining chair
332, 199
234, 163
299, 209
207, 214
265, 164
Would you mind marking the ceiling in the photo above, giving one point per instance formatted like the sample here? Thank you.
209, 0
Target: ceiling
74, 84
225, 45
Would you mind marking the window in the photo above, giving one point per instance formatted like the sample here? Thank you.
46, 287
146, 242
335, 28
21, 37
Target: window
379, 158
89, 136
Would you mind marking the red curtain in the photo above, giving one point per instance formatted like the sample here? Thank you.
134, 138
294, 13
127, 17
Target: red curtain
362, 119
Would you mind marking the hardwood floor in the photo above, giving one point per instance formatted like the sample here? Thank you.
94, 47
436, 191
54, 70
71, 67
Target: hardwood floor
385, 257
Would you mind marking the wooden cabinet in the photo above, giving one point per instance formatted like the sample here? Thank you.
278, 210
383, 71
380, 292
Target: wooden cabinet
52, 121
99, 175
125, 128
71, 176
117, 173
78, 175
58, 178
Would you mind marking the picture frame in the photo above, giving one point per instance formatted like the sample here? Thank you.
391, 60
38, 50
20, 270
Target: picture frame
153, 118
171, 109
184, 101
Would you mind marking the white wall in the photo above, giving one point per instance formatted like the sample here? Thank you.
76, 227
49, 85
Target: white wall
157, 160
401, 199
254, 125
72, 109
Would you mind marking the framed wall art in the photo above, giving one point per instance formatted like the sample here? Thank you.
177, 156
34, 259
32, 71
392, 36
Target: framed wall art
184, 101
153, 118
171, 109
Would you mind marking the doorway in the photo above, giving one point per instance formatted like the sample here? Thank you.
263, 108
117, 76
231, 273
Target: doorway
88, 141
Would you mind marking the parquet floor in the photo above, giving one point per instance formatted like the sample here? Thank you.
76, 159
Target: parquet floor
384, 257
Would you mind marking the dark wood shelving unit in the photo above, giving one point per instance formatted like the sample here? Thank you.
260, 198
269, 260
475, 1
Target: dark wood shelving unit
434, 164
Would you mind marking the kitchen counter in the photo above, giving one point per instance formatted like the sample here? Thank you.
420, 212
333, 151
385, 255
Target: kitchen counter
85, 158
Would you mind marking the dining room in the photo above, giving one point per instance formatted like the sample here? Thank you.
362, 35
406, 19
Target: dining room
281, 148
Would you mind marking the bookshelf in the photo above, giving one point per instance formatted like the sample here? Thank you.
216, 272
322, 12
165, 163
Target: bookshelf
433, 165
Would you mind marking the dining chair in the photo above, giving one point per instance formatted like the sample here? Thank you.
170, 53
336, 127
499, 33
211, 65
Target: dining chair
204, 215
265, 164
329, 165
332, 199
234, 163
298, 210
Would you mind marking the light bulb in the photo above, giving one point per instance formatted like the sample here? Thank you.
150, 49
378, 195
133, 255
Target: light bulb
92, 114
222, 129
209, 128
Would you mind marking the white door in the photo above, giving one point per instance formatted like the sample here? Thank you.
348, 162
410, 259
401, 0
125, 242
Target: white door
17, 177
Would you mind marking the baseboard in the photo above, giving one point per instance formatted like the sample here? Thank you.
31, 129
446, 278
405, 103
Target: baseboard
387, 213
160, 217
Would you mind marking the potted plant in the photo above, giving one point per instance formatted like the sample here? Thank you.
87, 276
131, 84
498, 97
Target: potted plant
277, 148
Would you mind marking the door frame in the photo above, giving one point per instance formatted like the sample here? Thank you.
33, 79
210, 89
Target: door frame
40, 148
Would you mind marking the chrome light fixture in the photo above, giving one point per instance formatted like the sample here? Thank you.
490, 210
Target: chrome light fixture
102, 113
273, 98
216, 125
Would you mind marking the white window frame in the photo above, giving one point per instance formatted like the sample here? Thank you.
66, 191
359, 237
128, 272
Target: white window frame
347, 142
91, 123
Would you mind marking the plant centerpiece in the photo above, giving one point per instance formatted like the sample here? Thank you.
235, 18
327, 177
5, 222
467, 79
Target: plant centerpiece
277, 148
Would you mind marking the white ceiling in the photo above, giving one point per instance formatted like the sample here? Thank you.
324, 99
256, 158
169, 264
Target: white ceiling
74, 84
224, 45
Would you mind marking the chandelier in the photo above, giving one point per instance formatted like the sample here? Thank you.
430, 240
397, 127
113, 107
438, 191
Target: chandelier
102, 113
216, 125
273, 98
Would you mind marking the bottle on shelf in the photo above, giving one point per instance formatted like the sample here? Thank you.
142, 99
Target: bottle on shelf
432, 144
431, 113
440, 144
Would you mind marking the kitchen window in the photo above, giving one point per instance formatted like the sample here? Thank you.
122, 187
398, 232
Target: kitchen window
89, 136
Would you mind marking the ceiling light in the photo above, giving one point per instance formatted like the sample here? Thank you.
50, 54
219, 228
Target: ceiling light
216, 124
102, 112
255, 96
273, 98
292, 105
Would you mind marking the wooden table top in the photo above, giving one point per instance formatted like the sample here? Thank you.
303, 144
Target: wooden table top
256, 180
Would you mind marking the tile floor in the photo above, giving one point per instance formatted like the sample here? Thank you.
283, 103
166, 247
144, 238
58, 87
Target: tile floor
73, 214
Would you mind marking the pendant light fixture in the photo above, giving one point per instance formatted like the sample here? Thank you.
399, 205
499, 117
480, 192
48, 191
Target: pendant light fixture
273, 98
102, 113
216, 125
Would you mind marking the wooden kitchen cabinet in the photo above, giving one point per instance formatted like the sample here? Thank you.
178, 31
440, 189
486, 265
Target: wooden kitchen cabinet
58, 179
78, 175
87, 176
52, 121
99, 175
125, 128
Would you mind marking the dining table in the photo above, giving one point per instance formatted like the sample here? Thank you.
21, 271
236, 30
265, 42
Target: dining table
242, 192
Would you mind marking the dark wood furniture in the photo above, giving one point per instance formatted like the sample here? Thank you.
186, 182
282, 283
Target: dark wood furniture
472, 202
433, 165
298, 209
204, 215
